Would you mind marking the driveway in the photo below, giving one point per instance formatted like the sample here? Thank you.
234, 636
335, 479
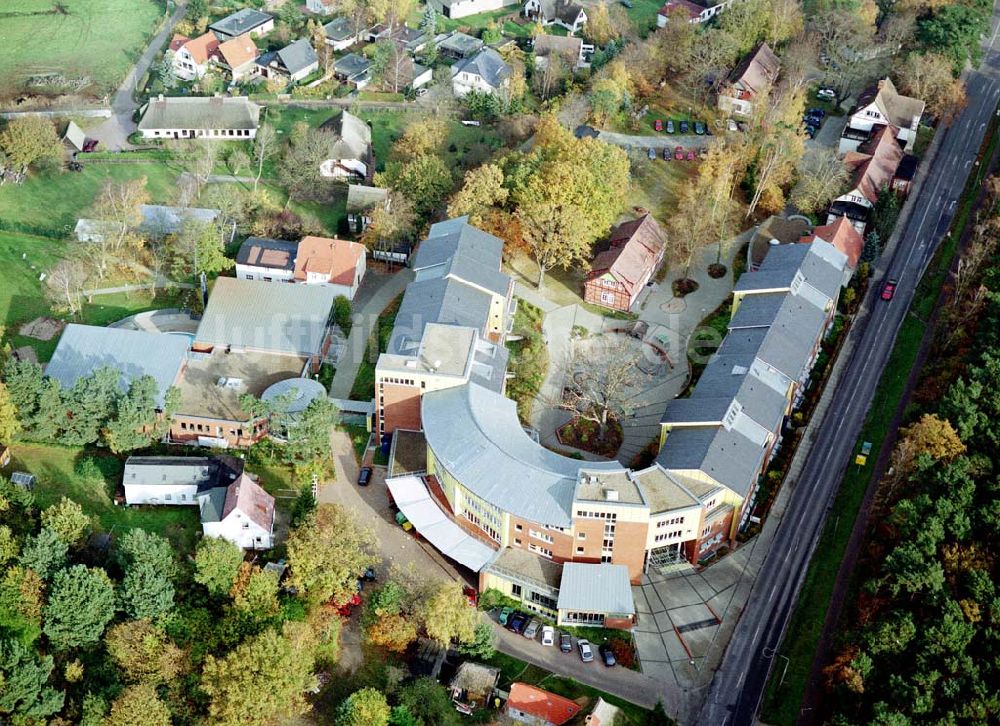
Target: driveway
659, 141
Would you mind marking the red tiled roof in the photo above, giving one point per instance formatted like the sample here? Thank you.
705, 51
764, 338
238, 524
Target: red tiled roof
336, 257
875, 163
238, 51
202, 47
541, 704
842, 235
634, 251
177, 41
757, 69
247, 496
693, 10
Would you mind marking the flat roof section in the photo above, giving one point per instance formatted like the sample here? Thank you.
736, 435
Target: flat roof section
201, 394
409, 453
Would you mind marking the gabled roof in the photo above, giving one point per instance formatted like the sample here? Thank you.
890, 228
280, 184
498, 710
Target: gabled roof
566, 11
636, 247
277, 254
487, 64
183, 112
456, 249
335, 258
297, 56
240, 22
75, 136
238, 51
162, 219
267, 317
352, 66
843, 236
354, 137
693, 10
249, 498
340, 29
177, 41
568, 46
361, 198
205, 472
875, 162
134, 353
545, 706
757, 70
460, 44
727, 456
202, 47
898, 109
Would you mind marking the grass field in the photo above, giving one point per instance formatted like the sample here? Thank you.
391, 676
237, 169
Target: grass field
54, 468
89, 42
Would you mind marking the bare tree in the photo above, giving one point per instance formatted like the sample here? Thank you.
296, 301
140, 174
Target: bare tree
549, 74
603, 380
118, 209
265, 145
66, 283
821, 177
853, 55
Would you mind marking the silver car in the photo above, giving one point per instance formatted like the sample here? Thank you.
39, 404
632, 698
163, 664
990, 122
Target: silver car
586, 652
532, 630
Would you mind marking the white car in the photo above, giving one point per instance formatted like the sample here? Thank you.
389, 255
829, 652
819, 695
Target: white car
827, 94
548, 635
586, 652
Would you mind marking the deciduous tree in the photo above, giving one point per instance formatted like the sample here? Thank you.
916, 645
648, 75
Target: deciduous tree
821, 178
928, 76
482, 190
216, 564
139, 706
31, 141
366, 707
603, 380
148, 560
446, 613
10, 424
143, 652
67, 521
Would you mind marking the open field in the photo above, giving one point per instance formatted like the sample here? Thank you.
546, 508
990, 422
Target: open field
90, 44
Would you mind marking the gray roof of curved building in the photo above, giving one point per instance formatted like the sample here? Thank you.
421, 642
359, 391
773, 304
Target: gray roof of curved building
477, 437
727, 456
301, 391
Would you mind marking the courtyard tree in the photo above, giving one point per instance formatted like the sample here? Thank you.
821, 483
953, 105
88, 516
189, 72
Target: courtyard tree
603, 380
327, 553
81, 603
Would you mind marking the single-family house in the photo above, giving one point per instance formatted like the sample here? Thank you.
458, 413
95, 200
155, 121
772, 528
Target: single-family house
335, 263
237, 56
362, 201
411, 40
241, 512
341, 33
458, 45
190, 57
485, 72
320, 7
292, 63
620, 273
842, 234
176, 480
753, 75
267, 260
537, 707
455, 9
697, 11
882, 104
74, 139
407, 74
564, 13
874, 168
247, 20
569, 49
82, 349
354, 69
351, 151
216, 118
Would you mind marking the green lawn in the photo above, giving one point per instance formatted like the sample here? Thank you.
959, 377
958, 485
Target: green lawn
21, 292
53, 202
90, 41
54, 469
657, 185
643, 14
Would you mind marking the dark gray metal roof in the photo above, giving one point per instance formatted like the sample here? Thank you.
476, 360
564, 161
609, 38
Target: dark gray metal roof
728, 457
487, 64
264, 316
757, 311
298, 55
476, 435
204, 471
240, 22
134, 353
596, 588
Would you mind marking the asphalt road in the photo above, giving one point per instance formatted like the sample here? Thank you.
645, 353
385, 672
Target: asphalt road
737, 689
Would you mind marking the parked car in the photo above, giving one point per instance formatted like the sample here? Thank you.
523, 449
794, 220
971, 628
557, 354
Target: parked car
731, 125
607, 656
816, 111
421, 92
667, 154
565, 642
548, 635
658, 124
90, 145
670, 126
827, 94
690, 154
518, 622
364, 476
369, 575
651, 153
626, 4
699, 128
811, 132
702, 152
74, 166
532, 630
471, 595
679, 153
504, 616
586, 652
685, 128
889, 289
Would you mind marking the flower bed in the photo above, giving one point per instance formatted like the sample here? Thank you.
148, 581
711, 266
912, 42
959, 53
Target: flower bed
584, 434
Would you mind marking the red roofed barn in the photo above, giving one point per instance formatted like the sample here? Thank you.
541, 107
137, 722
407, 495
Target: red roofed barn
620, 273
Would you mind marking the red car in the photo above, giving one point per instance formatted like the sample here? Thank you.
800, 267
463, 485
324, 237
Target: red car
658, 125
691, 155
679, 153
471, 595
889, 289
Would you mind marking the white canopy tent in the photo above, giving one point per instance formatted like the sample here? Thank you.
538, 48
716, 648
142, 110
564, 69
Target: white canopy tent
415, 502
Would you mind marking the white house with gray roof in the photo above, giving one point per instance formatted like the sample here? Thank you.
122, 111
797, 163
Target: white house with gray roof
351, 152
341, 33
247, 20
213, 118
292, 63
485, 72
176, 480
462, 8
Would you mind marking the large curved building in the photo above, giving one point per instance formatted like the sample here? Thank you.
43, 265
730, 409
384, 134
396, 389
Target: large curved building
490, 481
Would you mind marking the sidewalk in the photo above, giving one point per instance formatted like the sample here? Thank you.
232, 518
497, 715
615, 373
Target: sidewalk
377, 291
